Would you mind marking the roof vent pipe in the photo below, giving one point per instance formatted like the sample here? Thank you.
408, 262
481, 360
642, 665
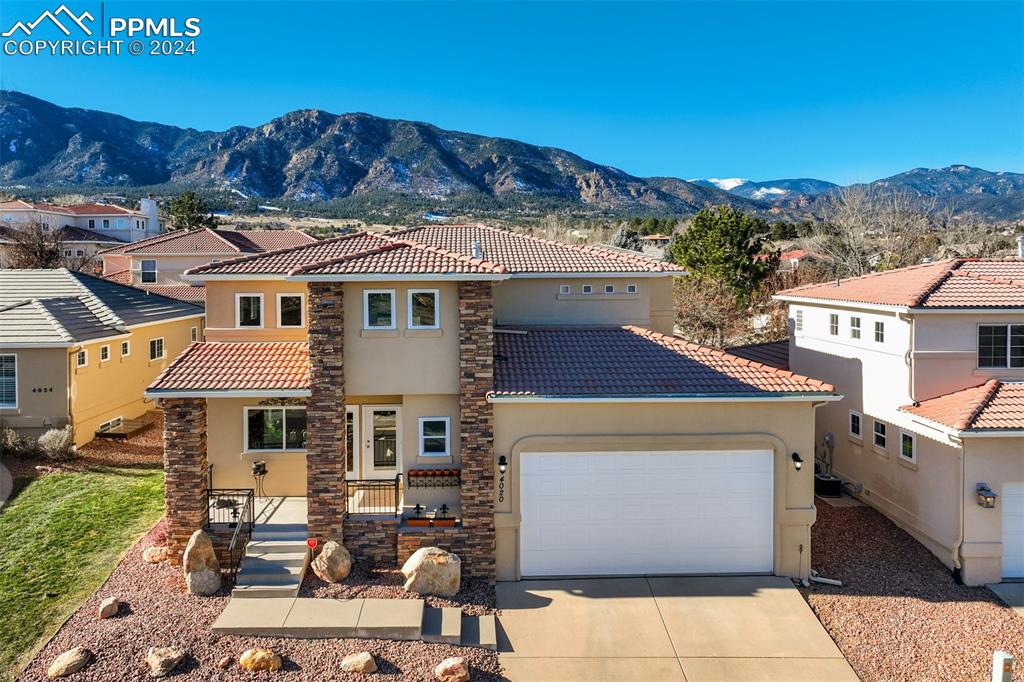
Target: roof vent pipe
478, 250
1020, 246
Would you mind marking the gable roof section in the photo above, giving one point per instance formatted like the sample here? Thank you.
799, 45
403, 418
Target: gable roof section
207, 240
961, 283
630, 362
73, 209
68, 233
773, 353
994, 405
209, 368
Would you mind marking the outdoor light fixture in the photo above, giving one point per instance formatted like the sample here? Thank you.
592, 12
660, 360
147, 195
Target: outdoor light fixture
503, 464
798, 462
986, 498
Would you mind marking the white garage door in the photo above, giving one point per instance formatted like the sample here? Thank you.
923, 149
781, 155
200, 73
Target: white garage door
1012, 501
621, 513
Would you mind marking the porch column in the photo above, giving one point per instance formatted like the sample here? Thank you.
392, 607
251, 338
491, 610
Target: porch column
325, 413
476, 425
184, 470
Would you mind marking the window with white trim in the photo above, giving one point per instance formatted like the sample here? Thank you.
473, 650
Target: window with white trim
291, 310
631, 289
104, 353
564, 289
798, 324
82, 358
194, 334
156, 348
879, 435
379, 309
856, 418
126, 349
79, 253
609, 288
588, 288
8, 381
67, 253
106, 223
879, 332
1000, 345
833, 324
249, 310
435, 436
92, 223
908, 446
424, 309
275, 428
854, 327
147, 271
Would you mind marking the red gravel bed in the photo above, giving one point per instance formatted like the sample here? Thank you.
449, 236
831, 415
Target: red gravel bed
145, 447
157, 612
900, 615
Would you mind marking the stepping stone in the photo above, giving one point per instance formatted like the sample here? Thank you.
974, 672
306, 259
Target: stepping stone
442, 625
323, 618
391, 619
255, 618
481, 631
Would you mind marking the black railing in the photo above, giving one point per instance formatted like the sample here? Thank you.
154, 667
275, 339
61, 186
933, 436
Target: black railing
383, 496
240, 538
226, 505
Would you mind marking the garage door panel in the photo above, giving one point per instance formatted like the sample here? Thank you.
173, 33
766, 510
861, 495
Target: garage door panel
1012, 502
622, 513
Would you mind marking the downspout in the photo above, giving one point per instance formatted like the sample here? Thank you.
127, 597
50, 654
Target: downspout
908, 357
71, 353
958, 546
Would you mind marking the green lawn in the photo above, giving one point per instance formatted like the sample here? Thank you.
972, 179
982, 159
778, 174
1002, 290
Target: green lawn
61, 536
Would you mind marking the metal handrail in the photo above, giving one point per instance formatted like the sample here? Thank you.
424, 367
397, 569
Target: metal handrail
243, 533
379, 495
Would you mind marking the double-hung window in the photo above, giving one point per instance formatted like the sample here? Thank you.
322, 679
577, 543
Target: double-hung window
379, 309
854, 327
879, 435
1001, 345
290, 309
855, 423
249, 310
82, 358
275, 428
126, 348
435, 436
424, 309
156, 348
147, 273
908, 446
833, 324
879, 332
104, 353
8, 381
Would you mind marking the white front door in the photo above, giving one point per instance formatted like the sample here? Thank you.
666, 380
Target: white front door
382, 442
634, 513
1012, 501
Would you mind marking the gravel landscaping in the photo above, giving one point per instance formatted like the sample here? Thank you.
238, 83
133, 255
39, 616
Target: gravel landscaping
900, 615
157, 612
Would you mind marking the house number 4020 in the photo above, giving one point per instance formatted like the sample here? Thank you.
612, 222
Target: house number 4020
501, 488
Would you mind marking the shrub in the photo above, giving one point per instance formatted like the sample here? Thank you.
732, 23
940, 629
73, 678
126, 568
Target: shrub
57, 444
14, 445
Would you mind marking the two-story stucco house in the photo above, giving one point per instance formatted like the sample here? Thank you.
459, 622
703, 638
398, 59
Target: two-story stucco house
529, 389
930, 360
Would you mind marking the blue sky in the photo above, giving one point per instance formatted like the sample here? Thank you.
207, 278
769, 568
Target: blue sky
844, 91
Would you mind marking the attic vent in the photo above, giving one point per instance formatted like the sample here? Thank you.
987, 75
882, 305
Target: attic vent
478, 250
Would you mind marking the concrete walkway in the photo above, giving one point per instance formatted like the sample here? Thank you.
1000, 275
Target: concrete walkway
1011, 594
687, 628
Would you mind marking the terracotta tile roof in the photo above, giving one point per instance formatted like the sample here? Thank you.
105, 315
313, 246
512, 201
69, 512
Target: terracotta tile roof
774, 353
993, 405
629, 361
958, 283
206, 240
69, 234
74, 209
121, 276
212, 367
193, 293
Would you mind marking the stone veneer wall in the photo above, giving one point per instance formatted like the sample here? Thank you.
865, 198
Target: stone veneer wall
325, 413
476, 425
184, 464
374, 539
453, 540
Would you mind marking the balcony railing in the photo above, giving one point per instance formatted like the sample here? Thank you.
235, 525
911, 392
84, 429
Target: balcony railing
382, 496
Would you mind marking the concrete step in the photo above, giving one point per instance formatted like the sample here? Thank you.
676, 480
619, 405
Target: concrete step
442, 625
481, 631
270, 564
400, 619
265, 592
274, 546
270, 575
281, 532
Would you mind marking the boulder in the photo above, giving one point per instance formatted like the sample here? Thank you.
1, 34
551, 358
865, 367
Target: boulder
431, 570
255, 660
155, 555
199, 554
108, 608
359, 663
452, 670
70, 662
163, 659
203, 582
333, 563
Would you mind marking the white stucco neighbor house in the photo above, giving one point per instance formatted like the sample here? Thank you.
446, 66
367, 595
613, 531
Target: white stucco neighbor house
112, 222
930, 432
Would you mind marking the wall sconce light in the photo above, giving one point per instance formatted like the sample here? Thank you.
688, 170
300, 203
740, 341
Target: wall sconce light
503, 464
798, 462
986, 498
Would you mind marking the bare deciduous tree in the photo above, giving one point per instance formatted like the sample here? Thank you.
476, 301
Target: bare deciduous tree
35, 246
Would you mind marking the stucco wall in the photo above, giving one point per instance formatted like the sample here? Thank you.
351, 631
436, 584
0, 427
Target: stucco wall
42, 377
995, 461
220, 311
170, 268
781, 427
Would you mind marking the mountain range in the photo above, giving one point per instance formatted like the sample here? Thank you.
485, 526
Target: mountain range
312, 156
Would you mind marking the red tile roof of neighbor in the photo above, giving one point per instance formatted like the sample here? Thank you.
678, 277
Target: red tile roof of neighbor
121, 276
438, 250
77, 209
993, 405
193, 293
206, 240
960, 283
773, 353
269, 366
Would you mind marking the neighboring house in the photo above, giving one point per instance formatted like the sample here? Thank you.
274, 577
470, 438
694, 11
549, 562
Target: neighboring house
792, 260
157, 264
654, 245
80, 245
565, 428
930, 360
115, 223
81, 350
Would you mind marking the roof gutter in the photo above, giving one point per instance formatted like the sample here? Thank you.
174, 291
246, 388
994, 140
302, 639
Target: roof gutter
843, 303
156, 394
678, 398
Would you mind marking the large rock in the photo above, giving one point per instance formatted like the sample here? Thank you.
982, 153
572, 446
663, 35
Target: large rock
259, 659
452, 670
70, 662
359, 663
333, 563
155, 555
203, 582
163, 659
199, 554
108, 608
431, 570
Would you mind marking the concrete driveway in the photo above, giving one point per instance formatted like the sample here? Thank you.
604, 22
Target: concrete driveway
652, 629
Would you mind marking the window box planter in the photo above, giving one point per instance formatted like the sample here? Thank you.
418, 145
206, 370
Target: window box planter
421, 523
444, 523
434, 478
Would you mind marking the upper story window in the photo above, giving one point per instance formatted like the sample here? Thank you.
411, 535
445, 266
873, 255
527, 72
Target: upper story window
880, 332
82, 358
156, 348
379, 309
8, 381
104, 353
609, 288
106, 223
588, 288
275, 428
126, 348
908, 446
148, 272
564, 289
139, 225
1001, 345
92, 223
195, 334
798, 323
435, 436
854, 327
424, 309
290, 310
855, 423
249, 310
833, 324
631, 289
879, 435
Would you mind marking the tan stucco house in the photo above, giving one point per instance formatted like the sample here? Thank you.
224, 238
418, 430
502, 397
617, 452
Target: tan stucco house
930, 360
79, 350
529, 389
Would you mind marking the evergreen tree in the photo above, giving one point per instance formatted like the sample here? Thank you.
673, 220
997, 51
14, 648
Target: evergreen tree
189, 212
